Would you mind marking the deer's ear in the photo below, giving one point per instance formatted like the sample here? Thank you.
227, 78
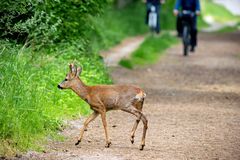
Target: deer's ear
72, 68
79, 70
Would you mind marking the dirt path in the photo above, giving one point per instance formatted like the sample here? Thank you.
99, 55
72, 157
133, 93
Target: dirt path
123, 50
192, 104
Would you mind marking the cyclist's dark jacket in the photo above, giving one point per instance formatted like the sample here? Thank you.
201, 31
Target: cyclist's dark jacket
192, 5
154, 2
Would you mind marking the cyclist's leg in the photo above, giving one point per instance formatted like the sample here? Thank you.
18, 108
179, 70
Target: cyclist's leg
158, 8
194, 33
179, 26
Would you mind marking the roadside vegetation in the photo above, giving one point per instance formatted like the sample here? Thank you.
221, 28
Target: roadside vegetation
31, 106
228, 29
38, 40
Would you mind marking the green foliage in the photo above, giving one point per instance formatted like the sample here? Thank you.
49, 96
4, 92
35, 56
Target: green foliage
230, 29
167, 19
11, 13
201, 23
117, 24
149, 51
44, 22
127, 63
31, 105
219, 13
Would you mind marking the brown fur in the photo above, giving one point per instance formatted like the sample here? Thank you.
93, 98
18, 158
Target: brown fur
102, 98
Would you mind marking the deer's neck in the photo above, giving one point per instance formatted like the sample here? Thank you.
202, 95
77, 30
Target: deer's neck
81, 89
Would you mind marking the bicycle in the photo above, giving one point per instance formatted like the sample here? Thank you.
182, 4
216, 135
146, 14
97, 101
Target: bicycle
187, 20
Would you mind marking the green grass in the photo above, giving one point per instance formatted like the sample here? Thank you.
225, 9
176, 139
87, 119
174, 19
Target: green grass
230, 29
219, 13
201, 23
167, 19
149, 51
31, 106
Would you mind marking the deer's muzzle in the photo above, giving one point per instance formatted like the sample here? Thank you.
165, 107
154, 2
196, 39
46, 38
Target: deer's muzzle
59, 87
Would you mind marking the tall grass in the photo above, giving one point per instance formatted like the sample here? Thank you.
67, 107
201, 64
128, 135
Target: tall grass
31, 106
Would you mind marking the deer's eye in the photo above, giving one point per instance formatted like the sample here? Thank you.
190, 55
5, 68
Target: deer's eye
66, 79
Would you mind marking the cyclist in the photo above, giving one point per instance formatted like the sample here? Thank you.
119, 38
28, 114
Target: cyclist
157, 5
189, 5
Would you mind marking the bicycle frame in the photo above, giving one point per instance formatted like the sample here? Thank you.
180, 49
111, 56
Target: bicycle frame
187, 20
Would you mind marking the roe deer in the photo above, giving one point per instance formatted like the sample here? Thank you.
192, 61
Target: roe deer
103, 98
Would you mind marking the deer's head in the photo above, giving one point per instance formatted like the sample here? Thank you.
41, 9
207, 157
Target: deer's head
71, 78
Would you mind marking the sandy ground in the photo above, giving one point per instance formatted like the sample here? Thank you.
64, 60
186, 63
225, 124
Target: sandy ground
192, 105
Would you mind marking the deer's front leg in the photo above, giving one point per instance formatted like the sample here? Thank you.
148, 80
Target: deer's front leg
87, 121
103, 115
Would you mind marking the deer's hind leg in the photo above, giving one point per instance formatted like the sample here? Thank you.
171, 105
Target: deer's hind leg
139, 107
138, 114
145, 127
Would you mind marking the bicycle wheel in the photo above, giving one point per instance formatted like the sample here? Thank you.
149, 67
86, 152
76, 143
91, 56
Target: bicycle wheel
185, 40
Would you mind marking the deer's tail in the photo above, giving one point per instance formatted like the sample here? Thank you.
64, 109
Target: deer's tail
140, 96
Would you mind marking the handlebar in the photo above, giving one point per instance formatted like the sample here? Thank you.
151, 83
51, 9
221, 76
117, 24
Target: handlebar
187, 13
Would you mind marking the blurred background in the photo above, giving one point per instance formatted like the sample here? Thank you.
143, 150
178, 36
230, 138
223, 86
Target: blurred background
39, 38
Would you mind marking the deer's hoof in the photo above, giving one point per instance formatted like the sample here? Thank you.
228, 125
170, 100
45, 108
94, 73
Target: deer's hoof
141, 147
77, 143
132, 139
108, 145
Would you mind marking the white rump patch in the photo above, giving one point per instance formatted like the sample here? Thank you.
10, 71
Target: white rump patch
140, 96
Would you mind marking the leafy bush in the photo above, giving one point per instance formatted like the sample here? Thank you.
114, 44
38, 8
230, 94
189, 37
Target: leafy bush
45, 22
